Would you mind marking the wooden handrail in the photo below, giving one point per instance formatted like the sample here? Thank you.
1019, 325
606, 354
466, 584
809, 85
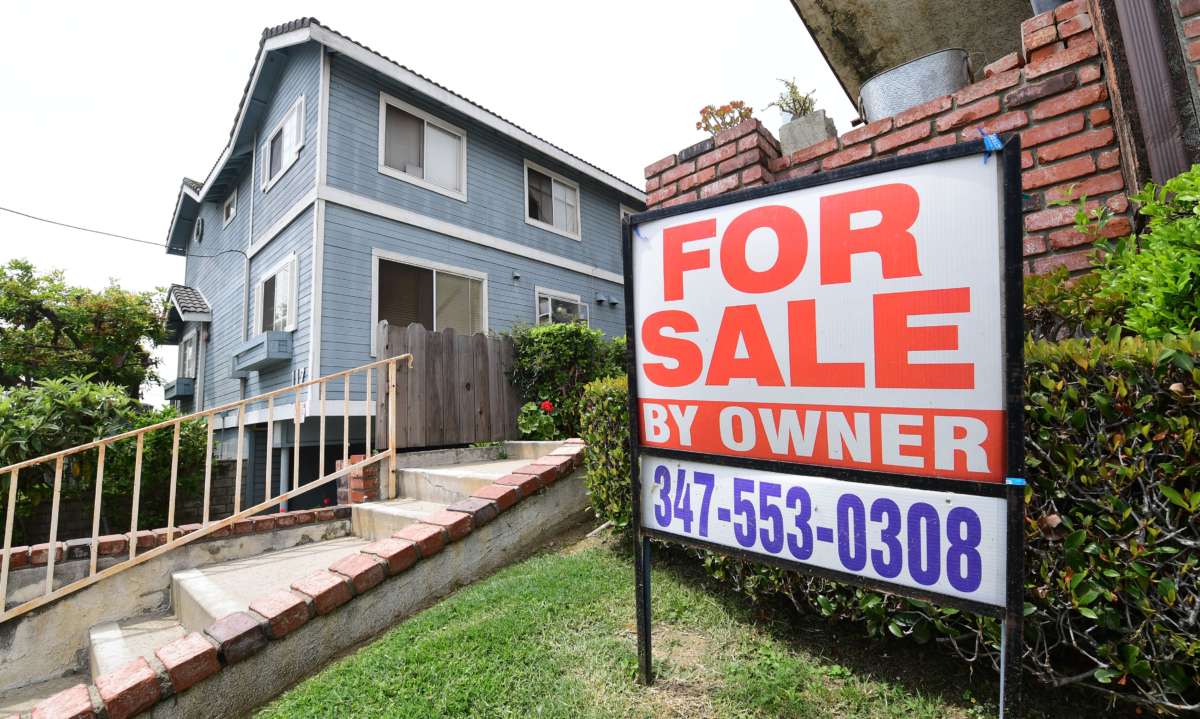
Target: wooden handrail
13, 471
221, 409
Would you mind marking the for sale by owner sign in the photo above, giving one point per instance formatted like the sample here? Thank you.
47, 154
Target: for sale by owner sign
850, 325
824, 374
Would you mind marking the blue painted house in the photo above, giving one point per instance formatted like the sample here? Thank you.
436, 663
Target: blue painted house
353, 190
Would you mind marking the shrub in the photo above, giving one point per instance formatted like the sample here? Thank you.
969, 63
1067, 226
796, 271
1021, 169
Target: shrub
553, 362
1112, 532
59, 414
604, 421
1157, 274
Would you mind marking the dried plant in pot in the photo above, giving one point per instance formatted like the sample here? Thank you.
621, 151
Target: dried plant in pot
806, 125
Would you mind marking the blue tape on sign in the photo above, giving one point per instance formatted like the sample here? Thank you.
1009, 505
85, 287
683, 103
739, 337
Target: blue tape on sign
1015, 480
991, 143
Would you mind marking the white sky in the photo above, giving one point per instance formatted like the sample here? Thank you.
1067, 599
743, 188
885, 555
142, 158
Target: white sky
106, 106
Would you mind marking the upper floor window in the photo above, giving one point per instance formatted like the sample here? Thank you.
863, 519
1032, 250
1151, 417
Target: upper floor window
198, 230
552, 201
437, 296
417, 147
554, 306
275, 299
229, 209
283, 144
187, 356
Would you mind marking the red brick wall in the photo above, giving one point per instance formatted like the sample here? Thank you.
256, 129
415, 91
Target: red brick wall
1053, 93
1189, 16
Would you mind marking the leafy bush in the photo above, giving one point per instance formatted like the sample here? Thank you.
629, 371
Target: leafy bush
1112, 532
1157, 274
553, 362
59, 414
604, 421
536, 421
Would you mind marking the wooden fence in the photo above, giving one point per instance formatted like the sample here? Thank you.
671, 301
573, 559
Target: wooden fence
459, 391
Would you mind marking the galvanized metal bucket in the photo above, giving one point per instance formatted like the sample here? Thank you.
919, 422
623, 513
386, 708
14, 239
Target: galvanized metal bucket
916, 81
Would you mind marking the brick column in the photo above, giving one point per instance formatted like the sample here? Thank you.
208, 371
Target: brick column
360, 485
732, 159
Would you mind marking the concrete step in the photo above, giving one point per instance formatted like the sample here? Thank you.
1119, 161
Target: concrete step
377, 520
448, 484
20, 700
112, 645
203, 595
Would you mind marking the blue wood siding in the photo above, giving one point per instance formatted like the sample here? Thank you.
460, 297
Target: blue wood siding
301, 77
495, 174
220, 278
297, 239
350, 236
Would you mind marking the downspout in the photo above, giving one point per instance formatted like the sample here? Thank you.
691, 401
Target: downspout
242, 381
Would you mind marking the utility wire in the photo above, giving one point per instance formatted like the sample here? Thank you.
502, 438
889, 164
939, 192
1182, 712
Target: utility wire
110, 234
77, 227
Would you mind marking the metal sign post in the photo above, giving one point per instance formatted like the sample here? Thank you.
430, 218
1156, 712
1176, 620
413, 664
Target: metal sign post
825, 375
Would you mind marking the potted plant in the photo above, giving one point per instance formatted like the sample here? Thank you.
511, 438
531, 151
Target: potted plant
806, 125
1041, 6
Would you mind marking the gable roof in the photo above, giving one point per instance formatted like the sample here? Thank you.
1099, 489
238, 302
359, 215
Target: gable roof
185, 304
302, 30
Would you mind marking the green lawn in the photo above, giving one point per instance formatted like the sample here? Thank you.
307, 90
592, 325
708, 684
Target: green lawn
553, 636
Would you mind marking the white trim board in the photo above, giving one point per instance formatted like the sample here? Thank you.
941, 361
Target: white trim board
382, 209
282, 223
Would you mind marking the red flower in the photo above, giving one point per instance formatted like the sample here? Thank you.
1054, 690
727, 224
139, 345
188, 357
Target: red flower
547, 406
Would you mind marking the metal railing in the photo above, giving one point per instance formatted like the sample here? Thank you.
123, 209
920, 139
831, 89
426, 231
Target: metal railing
13, 471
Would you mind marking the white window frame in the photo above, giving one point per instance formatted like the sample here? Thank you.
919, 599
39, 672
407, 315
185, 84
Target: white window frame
623, 210
198, 229
229, 208
378, 254
290, 262
287, 162
193, 338
539, 292
578, 236
385, 100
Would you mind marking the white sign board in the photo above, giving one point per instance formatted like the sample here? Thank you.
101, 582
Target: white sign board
857, 324
950, 544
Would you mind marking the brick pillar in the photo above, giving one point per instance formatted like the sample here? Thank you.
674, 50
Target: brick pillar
360, 485
731, 160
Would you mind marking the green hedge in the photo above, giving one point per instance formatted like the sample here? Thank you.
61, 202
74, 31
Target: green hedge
604, 424
553, 362
1112, 532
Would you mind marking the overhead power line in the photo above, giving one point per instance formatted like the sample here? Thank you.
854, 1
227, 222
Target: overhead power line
82, 229
110, 234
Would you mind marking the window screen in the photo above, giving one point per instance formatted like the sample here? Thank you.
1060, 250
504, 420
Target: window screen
541, 194
403, 142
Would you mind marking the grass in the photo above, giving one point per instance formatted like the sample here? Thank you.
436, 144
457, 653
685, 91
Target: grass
553, 636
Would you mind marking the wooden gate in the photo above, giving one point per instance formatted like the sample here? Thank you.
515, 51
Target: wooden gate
458, 391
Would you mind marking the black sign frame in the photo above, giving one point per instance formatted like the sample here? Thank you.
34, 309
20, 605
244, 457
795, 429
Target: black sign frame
1013, 490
